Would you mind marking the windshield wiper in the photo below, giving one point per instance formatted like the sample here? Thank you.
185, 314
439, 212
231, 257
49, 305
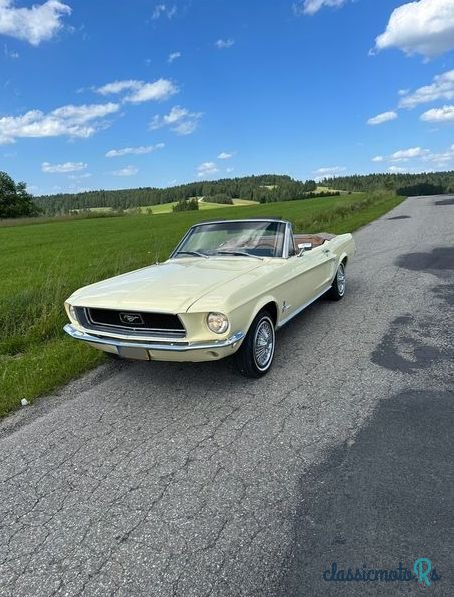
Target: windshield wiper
193, 253
240, 253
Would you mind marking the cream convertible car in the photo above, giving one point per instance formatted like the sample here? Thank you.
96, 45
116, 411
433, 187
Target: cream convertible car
226, 288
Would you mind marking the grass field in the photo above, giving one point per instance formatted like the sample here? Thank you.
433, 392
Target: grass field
41, 265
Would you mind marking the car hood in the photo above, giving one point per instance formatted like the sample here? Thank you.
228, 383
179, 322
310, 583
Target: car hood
170, 287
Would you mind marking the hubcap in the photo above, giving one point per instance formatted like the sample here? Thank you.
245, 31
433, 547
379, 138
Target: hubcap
264, 344
341, 279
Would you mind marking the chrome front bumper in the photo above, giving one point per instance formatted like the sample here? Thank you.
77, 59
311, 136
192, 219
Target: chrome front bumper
201, 351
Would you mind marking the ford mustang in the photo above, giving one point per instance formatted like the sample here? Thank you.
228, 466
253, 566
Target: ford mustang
226, 289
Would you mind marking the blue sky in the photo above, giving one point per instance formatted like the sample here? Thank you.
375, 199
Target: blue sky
116, 94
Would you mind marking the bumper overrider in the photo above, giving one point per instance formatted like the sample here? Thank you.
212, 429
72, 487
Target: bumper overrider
158, 350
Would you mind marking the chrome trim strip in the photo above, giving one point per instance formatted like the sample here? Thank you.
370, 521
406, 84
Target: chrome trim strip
287, 237
169, 346
298, 311
271, 219
177, 248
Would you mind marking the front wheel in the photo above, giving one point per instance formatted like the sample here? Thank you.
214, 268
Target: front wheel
337, 290
255, 356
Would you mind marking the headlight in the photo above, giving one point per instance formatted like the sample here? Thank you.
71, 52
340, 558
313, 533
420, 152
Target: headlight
217, 322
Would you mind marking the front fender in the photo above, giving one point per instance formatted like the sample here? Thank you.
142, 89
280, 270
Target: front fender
243, 316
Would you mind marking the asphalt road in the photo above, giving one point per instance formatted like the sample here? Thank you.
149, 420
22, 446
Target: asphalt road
160, 479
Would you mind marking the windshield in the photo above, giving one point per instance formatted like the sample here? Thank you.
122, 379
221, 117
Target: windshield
248, 238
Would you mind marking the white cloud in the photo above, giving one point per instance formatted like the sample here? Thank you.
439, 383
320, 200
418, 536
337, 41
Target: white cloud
310, 7
440, 159
180, 120
229, 170
442, 88
115, 153
331, 171
173, 56
381, 118
425, 27
397, 169
118, 87
163, 10
70, 121
159, 90
62, 168
128, 171
206, 169
224, 155
187, 127
404, 155
140, 91
407, 170
85, 113
222, 44
439, 115
176, 114
79, 176
39, 23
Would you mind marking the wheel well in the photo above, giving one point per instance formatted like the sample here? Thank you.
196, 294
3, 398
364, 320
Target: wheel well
272, 310
344, 260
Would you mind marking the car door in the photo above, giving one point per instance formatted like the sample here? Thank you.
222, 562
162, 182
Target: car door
306, 276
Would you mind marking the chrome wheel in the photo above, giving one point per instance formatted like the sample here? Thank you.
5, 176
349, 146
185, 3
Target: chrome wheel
264, 343
340, 279
255, 355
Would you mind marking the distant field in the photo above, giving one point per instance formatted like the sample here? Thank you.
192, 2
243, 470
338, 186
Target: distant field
41, 265
322, 189
99, 209
165, 208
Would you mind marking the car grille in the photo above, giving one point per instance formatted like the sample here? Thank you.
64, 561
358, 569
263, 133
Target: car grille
141, 323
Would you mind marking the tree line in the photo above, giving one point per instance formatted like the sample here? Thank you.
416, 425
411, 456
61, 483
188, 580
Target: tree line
266, 187
406, 185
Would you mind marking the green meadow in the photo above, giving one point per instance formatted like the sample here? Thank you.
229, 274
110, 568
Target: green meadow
43, 263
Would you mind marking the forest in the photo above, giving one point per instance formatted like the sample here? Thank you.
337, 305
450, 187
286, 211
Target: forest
264, 188
406, 185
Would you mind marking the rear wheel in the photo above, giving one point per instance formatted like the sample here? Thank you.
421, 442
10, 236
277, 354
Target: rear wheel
337, 290
255, 356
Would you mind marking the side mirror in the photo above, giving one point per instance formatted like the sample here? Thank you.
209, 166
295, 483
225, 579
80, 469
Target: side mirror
303, 247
